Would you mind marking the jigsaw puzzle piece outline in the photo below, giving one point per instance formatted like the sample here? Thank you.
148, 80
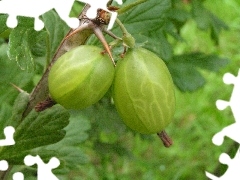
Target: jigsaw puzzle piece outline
230, 131
44, 171
64, 13
18, 176
20, 9
8, 133
35, 9
222, 104
232, 172
3, 165
235, 97
229, 78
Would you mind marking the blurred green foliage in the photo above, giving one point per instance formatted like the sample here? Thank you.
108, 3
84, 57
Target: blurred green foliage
198, 40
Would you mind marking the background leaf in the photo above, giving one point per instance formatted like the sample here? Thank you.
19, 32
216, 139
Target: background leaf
5, 114
145, 17
11, 73
207, 20
185, 69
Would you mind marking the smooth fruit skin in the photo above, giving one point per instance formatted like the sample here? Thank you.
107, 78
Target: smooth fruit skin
80, 77
143, 91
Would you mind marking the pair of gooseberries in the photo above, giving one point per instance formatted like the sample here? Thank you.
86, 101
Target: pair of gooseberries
142, 87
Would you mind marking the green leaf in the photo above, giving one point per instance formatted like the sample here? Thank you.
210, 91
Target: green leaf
207, 20
185, 77
25, 43
184, 69
5, 114
216, 27
56, 29
104, 149
174, 30
19, 48
104, 117
3, 26
156, 41
68, 150
177, 17
40, 44
10, 73
145, 17
145, 22
19, 107
21, 41
37, 129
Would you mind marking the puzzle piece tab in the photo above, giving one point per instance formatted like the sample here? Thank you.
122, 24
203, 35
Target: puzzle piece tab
235, 97
44, 170
232, 172
3, 165
232, 130
18, 176
8, 132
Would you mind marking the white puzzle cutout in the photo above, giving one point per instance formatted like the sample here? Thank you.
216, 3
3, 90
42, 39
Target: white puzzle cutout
8, 141
36, 8
231, 131
18, 176
44, 171
3, 165
232, 172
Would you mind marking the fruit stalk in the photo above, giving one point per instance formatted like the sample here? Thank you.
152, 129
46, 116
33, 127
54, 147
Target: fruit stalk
167, 141
128, 40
